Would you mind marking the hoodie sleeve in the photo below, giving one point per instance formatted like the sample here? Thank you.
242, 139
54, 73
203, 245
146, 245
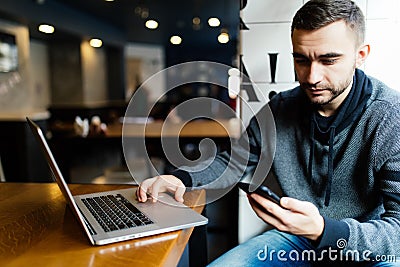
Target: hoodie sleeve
227, 167
250, 154
380, 237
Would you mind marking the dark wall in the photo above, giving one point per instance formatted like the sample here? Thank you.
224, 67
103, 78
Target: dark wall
66, 73
116, 72
21, 157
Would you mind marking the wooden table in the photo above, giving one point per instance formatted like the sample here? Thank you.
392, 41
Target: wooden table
200, 128
222, 128
38, 229
222, 132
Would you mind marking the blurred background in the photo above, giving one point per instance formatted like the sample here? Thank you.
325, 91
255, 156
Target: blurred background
66, 59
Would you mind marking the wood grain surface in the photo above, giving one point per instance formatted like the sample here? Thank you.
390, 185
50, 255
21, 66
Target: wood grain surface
38, 229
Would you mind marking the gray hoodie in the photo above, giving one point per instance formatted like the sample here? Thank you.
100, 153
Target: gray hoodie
362, 158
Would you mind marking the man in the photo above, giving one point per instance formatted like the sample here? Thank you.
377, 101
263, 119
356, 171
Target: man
337, 154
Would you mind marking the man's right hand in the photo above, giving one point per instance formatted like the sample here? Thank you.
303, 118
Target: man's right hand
153, 186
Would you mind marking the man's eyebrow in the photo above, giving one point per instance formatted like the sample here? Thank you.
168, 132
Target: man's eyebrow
327, 55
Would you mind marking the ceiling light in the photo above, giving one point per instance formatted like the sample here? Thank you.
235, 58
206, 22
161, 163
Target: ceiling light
45, 28
196, 23
142, 11
145, 13
223, 38
96, 43
151, 24
214, 22
175, 40
196, 20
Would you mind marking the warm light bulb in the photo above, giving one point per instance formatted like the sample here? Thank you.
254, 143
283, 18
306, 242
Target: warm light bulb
175, 40
96, 43
214, 22
196, 21
223, 38
151, 24
45, 28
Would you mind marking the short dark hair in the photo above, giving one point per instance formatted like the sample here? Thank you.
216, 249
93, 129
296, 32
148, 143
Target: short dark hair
316, 14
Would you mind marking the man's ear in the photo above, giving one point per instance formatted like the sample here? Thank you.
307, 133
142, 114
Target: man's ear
362, 54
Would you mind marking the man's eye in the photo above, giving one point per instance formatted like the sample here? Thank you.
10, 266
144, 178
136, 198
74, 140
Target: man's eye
329, 61
301, 61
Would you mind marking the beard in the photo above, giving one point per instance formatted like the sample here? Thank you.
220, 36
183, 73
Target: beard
333, 90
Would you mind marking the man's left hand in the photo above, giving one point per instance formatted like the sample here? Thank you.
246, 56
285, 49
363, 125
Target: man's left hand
293, 216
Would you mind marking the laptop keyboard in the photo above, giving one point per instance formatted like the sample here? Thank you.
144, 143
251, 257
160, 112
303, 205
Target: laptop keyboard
115, 212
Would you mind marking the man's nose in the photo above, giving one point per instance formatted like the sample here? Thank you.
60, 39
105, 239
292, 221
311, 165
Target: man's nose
314, 73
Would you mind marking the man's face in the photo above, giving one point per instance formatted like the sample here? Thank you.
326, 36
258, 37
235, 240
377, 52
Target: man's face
325, 60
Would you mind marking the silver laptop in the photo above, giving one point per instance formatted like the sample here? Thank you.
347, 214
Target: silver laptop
114, 216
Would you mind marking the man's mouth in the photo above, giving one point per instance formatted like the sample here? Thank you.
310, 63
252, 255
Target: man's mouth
316, 91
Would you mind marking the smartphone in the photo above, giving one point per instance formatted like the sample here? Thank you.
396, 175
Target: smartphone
262, 190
